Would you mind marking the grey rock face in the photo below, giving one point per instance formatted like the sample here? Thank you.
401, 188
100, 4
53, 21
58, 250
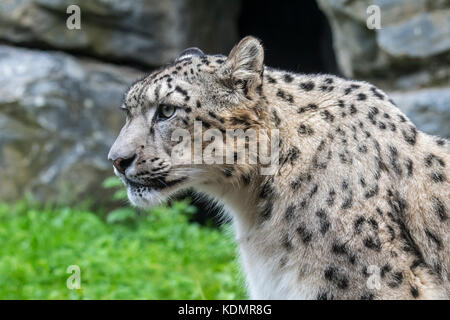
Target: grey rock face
147, 32
408, 56
418, 30
58, 113
424, 35
429, 109
58, 118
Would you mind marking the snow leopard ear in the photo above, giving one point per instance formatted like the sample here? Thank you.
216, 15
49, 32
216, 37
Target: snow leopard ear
245, 62
189, 52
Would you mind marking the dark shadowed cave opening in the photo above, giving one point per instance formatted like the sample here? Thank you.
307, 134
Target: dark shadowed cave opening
296, 36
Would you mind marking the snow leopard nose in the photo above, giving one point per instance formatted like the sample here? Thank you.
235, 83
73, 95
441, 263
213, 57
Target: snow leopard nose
122, 164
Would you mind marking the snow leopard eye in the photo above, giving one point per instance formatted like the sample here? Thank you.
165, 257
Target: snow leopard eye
166, 111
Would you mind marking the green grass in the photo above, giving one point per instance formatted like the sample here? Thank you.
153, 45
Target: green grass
151, 256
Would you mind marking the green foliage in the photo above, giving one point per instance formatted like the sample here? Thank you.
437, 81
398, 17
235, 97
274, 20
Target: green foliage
115, 183
121, 215
159, 256
112, 182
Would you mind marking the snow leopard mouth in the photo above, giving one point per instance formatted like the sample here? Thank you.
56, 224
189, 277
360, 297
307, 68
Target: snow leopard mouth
154, 184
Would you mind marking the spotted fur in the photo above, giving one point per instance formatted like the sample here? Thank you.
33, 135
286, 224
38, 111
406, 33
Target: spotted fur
357, 187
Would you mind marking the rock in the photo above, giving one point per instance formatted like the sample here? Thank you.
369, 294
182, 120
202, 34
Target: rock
429, 109
145, 32
424, 35
434, 76
408, 56
413, 35
58, 118
354, 10
395, 11
355, 45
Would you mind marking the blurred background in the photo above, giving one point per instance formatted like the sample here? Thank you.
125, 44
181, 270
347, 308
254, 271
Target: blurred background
59, 95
